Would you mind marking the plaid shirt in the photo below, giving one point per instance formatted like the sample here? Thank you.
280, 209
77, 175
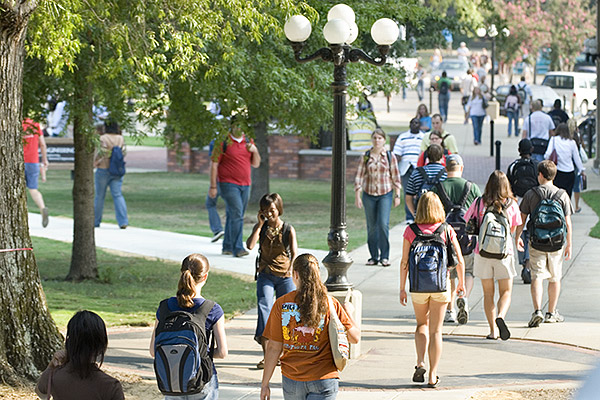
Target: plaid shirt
375, 176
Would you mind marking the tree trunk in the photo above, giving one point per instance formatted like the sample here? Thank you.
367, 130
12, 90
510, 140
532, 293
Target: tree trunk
28, 335
260, 175
83, 254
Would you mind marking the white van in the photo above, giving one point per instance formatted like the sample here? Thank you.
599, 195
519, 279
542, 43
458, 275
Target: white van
577, 88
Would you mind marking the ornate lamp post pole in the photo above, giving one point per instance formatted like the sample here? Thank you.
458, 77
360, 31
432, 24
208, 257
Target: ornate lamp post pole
340, 31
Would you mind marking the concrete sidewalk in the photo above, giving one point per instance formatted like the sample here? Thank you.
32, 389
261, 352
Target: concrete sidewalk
551, 356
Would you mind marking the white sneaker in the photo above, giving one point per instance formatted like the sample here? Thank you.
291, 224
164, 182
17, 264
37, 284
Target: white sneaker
463, 311
450, 316
553, 317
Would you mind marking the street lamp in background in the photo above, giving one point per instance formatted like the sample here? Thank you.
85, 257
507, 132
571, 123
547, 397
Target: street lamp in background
340, 31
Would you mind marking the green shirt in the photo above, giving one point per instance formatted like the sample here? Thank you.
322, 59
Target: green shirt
449, 142
454, 188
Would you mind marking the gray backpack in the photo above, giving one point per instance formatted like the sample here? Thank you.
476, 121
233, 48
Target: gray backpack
494, 233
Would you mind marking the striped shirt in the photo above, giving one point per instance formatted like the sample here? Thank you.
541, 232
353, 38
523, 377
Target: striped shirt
415, 182
377, 177
408, 148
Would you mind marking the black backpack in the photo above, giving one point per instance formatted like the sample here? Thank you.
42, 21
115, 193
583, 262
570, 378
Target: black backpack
428, 261
428, 183
444, 87
548, 224
455, 217
116, 166
522, 175
285, 238
182, 362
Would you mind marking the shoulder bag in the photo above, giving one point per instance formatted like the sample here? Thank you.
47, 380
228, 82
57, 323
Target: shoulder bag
554, 155
338, 339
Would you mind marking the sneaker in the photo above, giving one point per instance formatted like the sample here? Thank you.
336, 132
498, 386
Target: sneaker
242, 253
409, 221
536, 318
226, 252
450, 316
217, 236
463, 311
554, 317
44, 217
123, 226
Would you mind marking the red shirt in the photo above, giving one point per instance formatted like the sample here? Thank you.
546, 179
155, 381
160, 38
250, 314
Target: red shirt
235, 164
31, 140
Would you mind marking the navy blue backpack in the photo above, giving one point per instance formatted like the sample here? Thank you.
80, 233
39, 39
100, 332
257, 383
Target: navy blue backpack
182, 362
116, 167
428, 261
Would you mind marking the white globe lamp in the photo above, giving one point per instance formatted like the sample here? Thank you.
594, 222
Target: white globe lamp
297, 28
353, 33
336, 31
343, 12
385, 31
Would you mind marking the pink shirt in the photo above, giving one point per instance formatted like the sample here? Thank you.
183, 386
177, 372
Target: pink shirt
427, 229
513, 213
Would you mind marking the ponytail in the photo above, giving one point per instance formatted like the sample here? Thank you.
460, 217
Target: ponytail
311, 295
193, 268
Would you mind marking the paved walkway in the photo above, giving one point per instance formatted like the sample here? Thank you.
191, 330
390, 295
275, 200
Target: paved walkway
551, 356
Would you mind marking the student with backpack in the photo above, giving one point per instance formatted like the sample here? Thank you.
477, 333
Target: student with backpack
378, 179
522, 175
549, 209
424, 178
457, 194
110, 169
512, 104
496, 214
429, 245
435, 137
444, 87
276, 252
189, 332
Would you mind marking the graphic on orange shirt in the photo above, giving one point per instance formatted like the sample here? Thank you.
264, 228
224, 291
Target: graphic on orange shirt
298, 337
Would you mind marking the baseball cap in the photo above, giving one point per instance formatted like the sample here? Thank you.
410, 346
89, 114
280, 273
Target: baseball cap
525, 146
454, 160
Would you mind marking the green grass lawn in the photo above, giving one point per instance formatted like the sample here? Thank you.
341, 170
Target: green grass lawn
592, 199
129, 288
175, 202
153, 141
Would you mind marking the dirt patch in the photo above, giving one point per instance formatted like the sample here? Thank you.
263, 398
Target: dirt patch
538, 394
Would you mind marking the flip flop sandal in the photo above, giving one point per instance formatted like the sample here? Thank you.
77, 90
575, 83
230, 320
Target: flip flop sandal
434, 385
504, 332
261, 364
490, 337
419, 375
372, 262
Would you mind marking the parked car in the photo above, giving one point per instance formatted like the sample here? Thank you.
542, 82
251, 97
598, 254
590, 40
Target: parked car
456, 70
545, 93
576, 88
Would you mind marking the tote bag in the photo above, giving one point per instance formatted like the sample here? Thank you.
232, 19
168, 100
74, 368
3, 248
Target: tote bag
340, 348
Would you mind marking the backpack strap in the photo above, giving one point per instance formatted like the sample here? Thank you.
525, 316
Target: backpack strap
415, 228
367, 156
163, 309
557, 195
465, 194
423, 173
439, 175
261, 237
444, 196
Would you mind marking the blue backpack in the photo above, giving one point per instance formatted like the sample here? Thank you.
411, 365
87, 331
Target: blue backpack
548, 224
428, 261
116, 166
182, 362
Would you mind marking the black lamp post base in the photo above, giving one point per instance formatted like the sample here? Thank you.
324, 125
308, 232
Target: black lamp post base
337, 264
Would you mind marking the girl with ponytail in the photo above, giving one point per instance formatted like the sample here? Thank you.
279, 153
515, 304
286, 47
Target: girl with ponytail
297, 326
194, 272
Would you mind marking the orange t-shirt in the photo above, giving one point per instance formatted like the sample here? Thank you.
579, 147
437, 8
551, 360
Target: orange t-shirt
306, 351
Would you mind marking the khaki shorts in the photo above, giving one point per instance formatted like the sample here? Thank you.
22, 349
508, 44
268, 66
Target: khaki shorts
489, 268
441, 297
469, 259
546, 265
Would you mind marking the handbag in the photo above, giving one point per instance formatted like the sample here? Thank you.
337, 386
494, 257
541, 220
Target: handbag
553, 155
340, 348
583, 182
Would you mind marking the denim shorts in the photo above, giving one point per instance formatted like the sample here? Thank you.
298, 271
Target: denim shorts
323, 389
32, 173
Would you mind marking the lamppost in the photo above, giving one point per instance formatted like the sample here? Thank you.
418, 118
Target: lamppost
340, 31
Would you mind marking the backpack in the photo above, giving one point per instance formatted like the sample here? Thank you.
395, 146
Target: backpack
182, 363
522, 93
444, 87
428, 261
522, 175
548, 225
368, 155
116, 166
455, 217
285, 238
494, 233
428, 183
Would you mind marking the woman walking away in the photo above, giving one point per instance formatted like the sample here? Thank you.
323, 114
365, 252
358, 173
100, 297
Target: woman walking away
298, 326
475, 109
430, 297
568, 157
496, 211
74, 373
424, 118
580, 174
378, 177
179, 319
277, 249
512, 104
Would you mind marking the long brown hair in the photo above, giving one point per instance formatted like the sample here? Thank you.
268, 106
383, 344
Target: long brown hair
193, 268
311, 295
497, 190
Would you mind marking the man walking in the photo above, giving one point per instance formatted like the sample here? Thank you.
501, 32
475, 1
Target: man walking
538, 127
524, 93
448, 140
546, 205
32, 139
407, 150
231, 170
457, 195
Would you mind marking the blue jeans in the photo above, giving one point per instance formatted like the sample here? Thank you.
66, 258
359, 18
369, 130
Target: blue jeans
214, 219
404, 179
236, 200
209, 392
443, 100
523, 256
513, 119
103, 180
477, 127
537, 157
420, 89
324, 389
268, 285
377, 211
